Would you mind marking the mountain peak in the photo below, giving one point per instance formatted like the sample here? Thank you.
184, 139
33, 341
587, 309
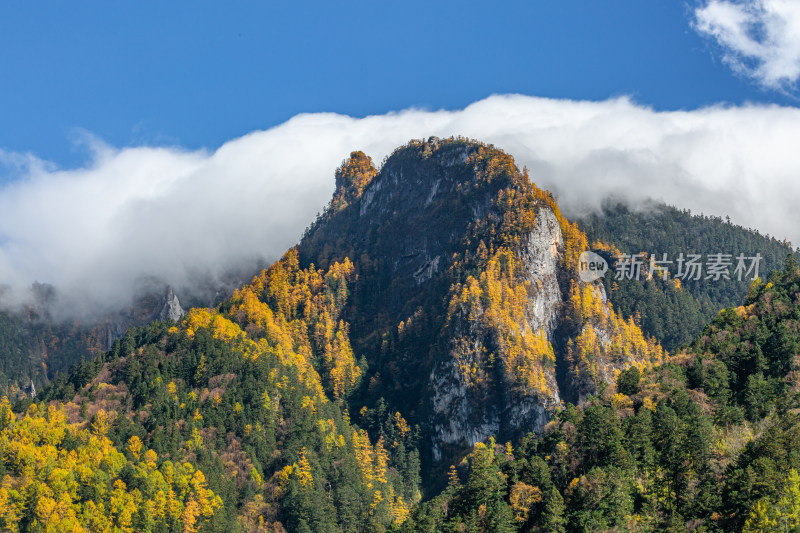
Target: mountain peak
467, 306
352, 176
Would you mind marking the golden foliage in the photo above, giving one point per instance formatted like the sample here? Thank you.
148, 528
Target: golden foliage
605, 341
294, 313
497, 303
402, 425
352, 177
373, 461
221, 327
302, 469
66, 478
522, 498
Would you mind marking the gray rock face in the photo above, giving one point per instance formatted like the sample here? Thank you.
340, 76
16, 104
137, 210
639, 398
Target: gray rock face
427, 270
172, 309
459, 417
540, 258
456, 421
404, 202
148, 308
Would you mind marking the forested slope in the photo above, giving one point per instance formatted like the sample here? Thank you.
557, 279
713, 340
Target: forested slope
674, 313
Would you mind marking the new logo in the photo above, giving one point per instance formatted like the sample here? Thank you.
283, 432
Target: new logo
591, 267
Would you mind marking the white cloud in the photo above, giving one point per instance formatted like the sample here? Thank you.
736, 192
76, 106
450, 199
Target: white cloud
172, 213
760, 38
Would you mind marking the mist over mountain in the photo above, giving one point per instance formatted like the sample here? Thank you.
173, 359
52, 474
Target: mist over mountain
178, 215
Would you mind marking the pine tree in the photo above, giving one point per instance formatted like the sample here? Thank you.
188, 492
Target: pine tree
553, 520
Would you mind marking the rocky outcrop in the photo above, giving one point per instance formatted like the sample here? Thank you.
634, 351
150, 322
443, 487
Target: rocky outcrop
148, 307
418, 231
462, 413
171, 310
458, 420
540, 258
30, 389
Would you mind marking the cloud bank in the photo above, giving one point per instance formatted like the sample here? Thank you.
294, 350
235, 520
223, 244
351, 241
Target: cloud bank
760, 38
175, 214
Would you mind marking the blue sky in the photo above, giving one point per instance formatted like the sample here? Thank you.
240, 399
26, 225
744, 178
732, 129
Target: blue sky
197, 74
178, 139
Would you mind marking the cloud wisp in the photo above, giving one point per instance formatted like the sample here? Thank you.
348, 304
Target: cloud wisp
760, 38
173, 214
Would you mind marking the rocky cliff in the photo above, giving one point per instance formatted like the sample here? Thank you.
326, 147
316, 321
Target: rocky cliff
467, 307
462, 414
35, 346
152, 305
